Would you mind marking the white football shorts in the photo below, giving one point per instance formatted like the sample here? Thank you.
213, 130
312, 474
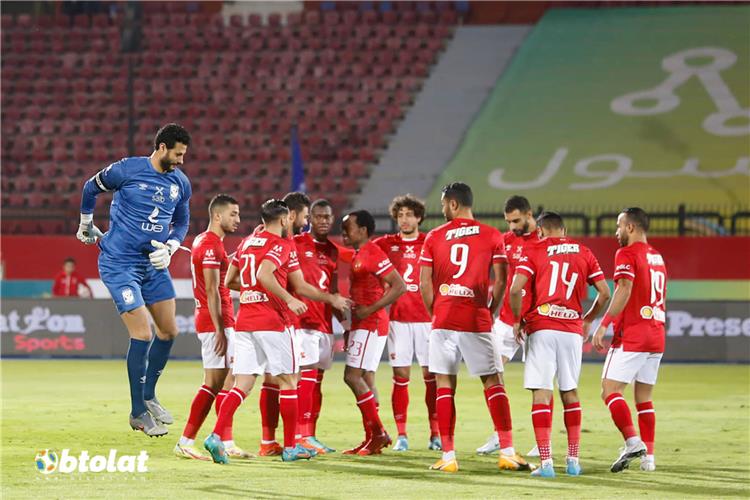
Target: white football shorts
552, 353
506, 342
478, 351
276, 353
364, 349
211, 360
316, 348
626, 366
405, 340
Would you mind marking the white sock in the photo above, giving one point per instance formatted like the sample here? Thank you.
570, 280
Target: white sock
449, 455
650, 458
228, 444
186, 441
632, 441
509, 451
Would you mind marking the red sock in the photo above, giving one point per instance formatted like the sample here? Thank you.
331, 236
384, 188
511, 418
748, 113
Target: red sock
446, 411
219, 399
370, 417
288, 408
430, 393
232, 401
198, 411
647, 424
541, 417
620, 411
572, 416
305, 389
499, 406
317, 403
269, 411
400, 403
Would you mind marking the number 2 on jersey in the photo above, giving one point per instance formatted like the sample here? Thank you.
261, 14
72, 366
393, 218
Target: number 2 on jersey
570, 282
249, 262
460, 258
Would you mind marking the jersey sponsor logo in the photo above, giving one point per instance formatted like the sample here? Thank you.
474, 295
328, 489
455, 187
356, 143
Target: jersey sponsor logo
655, 313
623, 267
152, 225
255, 242
517, 254
127, 296
557, 312
383, 263
654, 259
412, 287
174, 192
461, 232
455, 290
563, 248
158, 196
409, 252
252, 297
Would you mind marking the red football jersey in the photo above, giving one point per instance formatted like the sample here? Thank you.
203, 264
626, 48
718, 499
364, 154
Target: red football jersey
514, 250
561, 270
208, 253
461, 254
369, 266
318, 261
640, 326
404, 254
259, 309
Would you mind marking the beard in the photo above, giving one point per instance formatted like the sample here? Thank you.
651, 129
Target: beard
522, 231
284, 233
166, 165
623, 241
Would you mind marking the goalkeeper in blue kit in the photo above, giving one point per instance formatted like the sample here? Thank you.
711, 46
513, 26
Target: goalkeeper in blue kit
149, 218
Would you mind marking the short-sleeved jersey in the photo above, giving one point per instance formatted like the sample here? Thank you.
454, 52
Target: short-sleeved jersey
640, 326
514, 250
147, 205
461, 254
261, 310
318, 261
404, 254
369, 266
561, 270
208, 253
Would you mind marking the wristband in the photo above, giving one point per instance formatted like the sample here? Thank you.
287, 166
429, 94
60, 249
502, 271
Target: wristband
87, 218
607, 320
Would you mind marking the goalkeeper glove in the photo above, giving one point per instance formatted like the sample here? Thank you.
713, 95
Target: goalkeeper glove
162, 256
88, 233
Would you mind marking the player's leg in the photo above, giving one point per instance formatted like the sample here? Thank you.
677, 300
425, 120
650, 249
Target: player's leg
569, 355
644, 387
400, 354
620, 368
505, 346
310, 355
163, 313
422, 353
268, 403
325, 362
539, 374
445, 361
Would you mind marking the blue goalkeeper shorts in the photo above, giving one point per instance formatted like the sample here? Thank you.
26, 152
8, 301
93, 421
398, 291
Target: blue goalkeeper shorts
133, 284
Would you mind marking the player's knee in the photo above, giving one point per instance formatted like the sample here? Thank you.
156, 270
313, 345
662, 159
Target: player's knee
168, 333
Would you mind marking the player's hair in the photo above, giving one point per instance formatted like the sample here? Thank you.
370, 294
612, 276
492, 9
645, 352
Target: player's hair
637, 216
170, 134
364, 219
550, 220
296, 201
516, 202
273, 210
407, 201
322, 203
69, 259
460, 193
220, 201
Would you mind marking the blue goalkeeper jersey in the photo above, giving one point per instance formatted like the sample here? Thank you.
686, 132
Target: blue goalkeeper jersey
147, 205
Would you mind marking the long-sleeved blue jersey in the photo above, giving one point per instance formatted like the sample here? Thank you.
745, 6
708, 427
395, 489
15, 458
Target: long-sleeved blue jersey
147, 205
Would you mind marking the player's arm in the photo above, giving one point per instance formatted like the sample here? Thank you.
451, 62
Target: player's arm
104, 181
232, 279
268, 280
616, 306
425, 287
396, 288
602, 297
500, 270
162, 256
515, 299
302, 287
211, 278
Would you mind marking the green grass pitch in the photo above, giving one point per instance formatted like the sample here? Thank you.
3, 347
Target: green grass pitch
702, 440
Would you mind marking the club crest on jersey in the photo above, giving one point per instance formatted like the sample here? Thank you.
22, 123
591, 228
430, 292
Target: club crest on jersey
252, 297
158, 196
174, 192
455, 290
557, 312
461, 232
655, 313
127, 296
